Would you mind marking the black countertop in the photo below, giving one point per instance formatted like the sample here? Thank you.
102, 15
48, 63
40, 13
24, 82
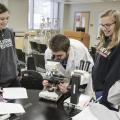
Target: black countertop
36, 109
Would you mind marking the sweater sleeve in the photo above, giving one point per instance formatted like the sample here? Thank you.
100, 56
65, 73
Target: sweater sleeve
17, 61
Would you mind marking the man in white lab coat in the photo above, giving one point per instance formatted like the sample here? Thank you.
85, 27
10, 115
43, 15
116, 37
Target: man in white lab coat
69, 52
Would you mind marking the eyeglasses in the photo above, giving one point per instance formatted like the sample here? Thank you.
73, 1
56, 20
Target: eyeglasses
107, 25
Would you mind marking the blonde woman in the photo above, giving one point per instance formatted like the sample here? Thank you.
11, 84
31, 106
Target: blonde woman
106, 70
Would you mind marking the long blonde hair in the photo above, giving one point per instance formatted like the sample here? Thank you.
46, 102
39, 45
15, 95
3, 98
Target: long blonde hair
115, 39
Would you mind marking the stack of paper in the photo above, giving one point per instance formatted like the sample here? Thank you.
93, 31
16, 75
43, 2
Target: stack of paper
7, 108
14, 93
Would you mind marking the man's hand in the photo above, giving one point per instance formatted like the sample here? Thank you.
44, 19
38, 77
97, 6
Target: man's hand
63, 87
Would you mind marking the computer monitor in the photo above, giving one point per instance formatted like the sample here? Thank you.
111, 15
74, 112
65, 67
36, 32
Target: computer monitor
20, 55
34, 46
31, 63
41, 48
39, 60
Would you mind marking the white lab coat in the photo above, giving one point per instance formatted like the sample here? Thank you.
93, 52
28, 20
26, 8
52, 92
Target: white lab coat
114, 94
97, 111
77, 52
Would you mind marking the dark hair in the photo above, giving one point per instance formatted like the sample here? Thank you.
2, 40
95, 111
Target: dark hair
59, 43
3, 8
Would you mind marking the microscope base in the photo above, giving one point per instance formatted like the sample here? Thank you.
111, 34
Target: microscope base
52, 96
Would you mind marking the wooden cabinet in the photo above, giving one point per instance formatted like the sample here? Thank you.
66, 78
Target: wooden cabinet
82, 36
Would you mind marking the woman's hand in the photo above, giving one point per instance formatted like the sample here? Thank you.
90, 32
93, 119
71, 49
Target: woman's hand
45, 83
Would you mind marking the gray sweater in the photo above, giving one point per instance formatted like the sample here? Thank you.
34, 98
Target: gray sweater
8, 58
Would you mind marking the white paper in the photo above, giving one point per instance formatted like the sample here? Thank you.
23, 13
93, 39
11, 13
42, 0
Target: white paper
14, 93
83, 100
4, 117
7, 108
85, 115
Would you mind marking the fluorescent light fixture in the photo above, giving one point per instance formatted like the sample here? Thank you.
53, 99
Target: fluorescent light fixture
82, 1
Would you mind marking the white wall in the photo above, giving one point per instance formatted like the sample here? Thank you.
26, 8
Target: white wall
95, 10
67, 15
61, 15
19, 14
4, 2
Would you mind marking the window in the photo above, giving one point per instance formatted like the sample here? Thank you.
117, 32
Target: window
43, 13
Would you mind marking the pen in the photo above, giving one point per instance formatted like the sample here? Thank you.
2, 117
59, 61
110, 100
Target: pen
98, 99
